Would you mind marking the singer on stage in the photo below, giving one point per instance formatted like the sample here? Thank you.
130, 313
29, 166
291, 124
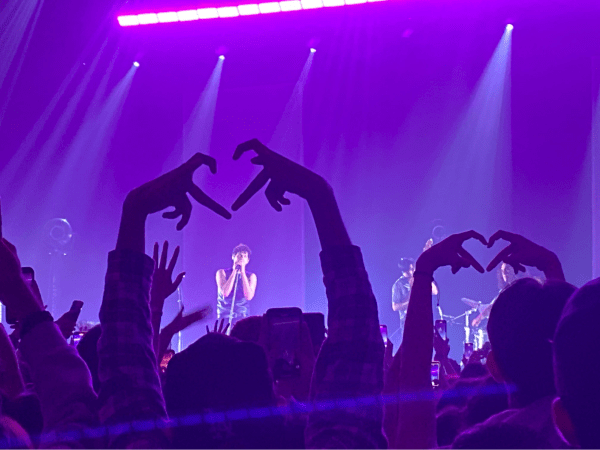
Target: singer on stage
236, 287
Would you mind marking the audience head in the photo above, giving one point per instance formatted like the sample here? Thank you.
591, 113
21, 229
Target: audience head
520, 329
448, 424
88, 350
247, 329
218, 373
500, 435
577, 365
12, 435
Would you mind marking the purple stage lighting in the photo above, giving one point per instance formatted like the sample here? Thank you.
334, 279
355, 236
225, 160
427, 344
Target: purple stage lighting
166, 17
235, 11
185, 16
248, 10
208, 13
509, 27
312, 50
270, 7
222, 57
228, 11
136, 64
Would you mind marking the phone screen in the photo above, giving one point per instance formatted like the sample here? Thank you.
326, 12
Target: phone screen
468, 349
284, 339
435, 373
441, 328
76, 338
384, 335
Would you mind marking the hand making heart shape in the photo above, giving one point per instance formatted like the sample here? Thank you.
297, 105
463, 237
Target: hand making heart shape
284, 175
519, 253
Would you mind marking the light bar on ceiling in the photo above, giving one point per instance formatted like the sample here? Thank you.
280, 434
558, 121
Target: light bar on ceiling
232, 11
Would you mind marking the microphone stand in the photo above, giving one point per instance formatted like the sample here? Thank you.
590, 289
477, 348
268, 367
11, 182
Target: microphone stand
235, 286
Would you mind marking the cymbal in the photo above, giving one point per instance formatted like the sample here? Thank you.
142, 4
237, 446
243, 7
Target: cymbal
471, 303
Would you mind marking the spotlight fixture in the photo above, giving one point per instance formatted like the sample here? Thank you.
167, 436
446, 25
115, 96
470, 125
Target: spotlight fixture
222, 57
136, 64
312, 50
509, 27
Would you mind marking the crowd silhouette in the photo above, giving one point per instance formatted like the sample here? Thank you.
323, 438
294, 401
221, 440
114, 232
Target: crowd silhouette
121, 386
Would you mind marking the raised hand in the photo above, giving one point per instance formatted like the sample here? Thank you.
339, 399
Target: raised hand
450, 252
171, 189
162, 283
181, 322
220, 327
523, 252
285, 176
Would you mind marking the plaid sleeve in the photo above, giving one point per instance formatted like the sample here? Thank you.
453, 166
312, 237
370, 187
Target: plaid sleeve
348, 377
130, 397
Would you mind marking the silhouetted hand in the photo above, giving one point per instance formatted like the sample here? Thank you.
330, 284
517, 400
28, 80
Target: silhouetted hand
171, 189
523, 252
220, 328
285, 176
441, 346
450, 252
14, 292
181, 322
162, 284
67, 322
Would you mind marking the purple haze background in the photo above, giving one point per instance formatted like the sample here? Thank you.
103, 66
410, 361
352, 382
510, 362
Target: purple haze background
385, 116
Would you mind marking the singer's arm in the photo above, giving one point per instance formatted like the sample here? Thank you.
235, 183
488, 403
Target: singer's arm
249, 284
225, 284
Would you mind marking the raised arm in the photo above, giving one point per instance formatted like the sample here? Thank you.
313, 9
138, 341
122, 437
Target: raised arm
350, 363
61, 378
128, 368
416, 419
523, 252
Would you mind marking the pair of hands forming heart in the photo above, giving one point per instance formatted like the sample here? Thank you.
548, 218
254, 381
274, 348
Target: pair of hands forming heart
171, 189
519, 253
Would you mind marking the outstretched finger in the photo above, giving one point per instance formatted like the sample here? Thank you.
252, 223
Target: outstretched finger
254, 186
504, 235
471, 235
163, 256
173, 260
172, 214
155, 254
178, 280
501, 256
469, 259
514, 262
226, 328
252, 144
205, 200
273, 195
186, 212
198, 159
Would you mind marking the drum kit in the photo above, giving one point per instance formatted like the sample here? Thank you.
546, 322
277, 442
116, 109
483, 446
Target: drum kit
476, 334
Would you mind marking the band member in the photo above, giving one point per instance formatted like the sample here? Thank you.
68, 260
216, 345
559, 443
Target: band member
236, 287
402, 287
506, 275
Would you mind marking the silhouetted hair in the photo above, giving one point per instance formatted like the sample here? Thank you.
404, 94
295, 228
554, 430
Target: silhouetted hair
500, 435
247, 329
448, 424
88, 350
405, 264
241, 248
520, 328
218, 373
577, 362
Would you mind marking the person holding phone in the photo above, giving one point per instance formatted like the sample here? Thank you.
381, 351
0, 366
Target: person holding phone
236, 287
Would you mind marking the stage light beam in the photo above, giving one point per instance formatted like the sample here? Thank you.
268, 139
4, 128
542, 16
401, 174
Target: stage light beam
510, 27
222, 57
